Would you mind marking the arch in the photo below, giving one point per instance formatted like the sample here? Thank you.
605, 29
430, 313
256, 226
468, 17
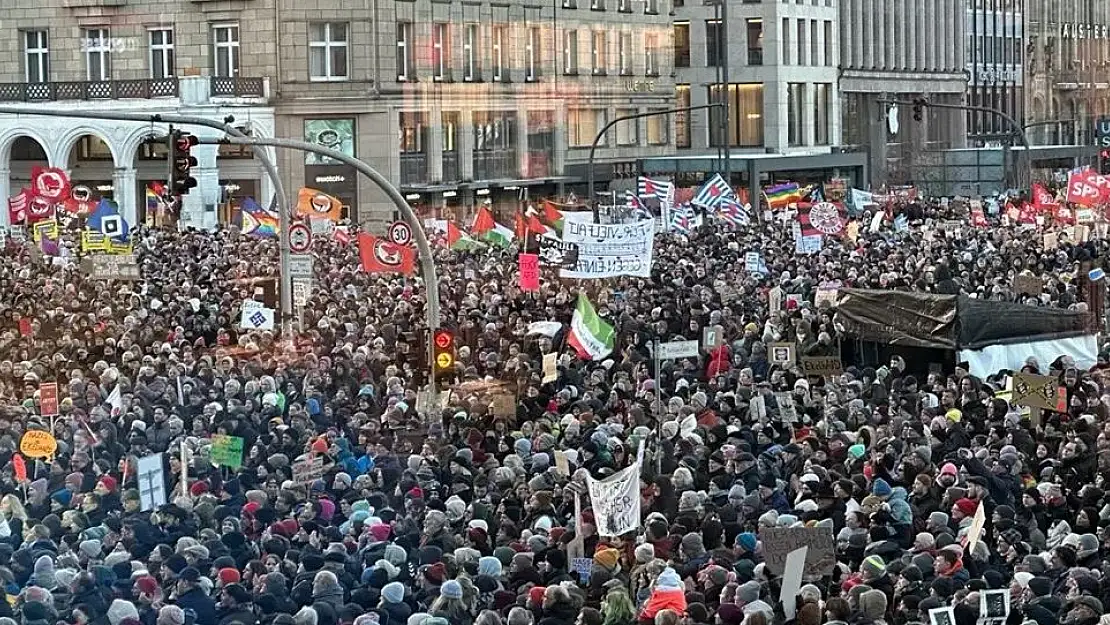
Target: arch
70, 138
8, 139
130, 145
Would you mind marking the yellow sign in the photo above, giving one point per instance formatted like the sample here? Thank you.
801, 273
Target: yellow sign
38, 444
93, 242
444, 361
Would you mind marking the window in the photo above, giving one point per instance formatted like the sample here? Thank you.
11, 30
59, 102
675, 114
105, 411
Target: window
755, 41
413, 133
785, 41
657, 127
624, 52
471, 71
682, 44
801, 43
597, 5
628, 131
497, 52
36, 56
624, 6
651, 7
829, 59
582, 126
570, 52
440, 45
160, 41
745, 115
682, 120
651, 55
822, 102
98, 50
814, 58
450, 131
225, 38
327, 51
532, 54
405, 59
712, 42
795, 101
597, 52
570, 4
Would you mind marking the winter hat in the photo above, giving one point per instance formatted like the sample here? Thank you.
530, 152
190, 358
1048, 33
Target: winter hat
748, 592
644, 553
668, 580
746, 541
120, 610
489, 565
451, 589
91, 548
966, 506
229, 576
880, 488
147, 584
607, 557
171, 615
873, 566
393, 592
305, 616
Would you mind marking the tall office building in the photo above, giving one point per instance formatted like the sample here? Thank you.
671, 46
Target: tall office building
996, 78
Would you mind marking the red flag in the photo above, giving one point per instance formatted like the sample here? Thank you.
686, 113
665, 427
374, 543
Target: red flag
978, 219
341, 236
1042, 199
551, 214
1027, 214
483, 222
50, 184
519, 227
17, 207
535, 225
381, 256
453, 234
822, 218
20, 467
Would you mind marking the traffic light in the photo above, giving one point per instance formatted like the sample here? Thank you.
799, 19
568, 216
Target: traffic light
181, 161
918, 109
443, 346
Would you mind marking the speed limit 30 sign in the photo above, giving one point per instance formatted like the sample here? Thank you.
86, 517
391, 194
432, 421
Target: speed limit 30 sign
400, 233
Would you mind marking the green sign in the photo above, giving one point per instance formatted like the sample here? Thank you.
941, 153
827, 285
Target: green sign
227, 451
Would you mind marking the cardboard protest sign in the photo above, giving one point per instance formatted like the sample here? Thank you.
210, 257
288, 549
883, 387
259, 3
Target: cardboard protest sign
48, 399
1039, 391
821, 366
782, 354
308, 470
778, 542
38, 444
227, 451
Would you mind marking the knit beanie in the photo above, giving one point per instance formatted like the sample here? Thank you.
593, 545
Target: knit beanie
451, 589
489, 565
668, 580
120, 610
645, 553
393, 592
873, 567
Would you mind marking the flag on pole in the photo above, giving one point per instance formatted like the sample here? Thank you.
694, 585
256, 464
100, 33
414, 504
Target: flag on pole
115, 400
661, 189
783, 195
684, 220
458, 240
713, 192
633, 201
589, 334
552, 215
257, 221
499, 235
483, 222
733, 213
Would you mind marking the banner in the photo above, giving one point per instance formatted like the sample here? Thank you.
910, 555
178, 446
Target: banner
616, 502
227, 451
1088, 188
609, 250
382, 256
553, 252
529, 272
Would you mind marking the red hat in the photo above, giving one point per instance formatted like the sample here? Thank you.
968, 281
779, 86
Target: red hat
147, 584
415, 493
251, 509
967, 506
477, 535
380, 532
320, 446
229, 576
198, 488
535, 595
109, 483
436, 573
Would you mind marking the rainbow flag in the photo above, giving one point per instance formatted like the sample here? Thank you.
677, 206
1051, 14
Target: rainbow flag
783, 195
257, 221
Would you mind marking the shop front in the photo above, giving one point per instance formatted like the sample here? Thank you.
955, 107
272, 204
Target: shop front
322, 173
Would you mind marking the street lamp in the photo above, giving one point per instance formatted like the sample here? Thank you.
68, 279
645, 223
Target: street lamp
606, 127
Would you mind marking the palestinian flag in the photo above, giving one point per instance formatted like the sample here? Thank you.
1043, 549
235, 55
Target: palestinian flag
523, 225
459, 240
483, 222
499, 235
552, 215
589, 335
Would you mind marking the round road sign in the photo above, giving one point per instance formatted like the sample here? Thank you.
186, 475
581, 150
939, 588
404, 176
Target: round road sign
300, 238
444, 361
400, 233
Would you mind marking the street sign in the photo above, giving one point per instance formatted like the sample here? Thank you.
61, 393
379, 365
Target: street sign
1102, 132
677, 349
300, 238
400, 233
300, 268
301, 290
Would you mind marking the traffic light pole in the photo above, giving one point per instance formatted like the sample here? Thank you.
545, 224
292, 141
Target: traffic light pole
427, 264
271, 170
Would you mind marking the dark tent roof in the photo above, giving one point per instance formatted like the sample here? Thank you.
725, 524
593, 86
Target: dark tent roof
950, 321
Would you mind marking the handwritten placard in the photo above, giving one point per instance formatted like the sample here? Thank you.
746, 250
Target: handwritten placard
529, 272
778, 542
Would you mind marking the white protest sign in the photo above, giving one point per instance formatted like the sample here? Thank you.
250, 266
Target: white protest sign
257, 319
152, 482
616, 501
792, 580
608, 250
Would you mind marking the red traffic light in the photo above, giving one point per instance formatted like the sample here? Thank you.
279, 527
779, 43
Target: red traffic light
444, 339
186, 142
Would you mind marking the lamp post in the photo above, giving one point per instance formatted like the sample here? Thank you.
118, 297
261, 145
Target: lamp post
606, 127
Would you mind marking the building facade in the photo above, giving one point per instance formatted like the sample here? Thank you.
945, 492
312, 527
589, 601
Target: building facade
781, 74
1067, 56
996, 77
462, 102
142, 56
902, 50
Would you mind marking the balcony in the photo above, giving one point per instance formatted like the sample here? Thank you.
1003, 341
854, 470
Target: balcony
237, 87
144, 89
414, 168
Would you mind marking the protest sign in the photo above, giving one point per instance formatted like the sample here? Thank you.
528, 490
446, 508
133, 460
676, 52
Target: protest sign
994, 605
562, 463
121, 267
550, 368
821, 366
1039, 391
782, 353
942, 616
792, 580
975, 531
553, 252
1025, 284
616, 501
152, 482
48, 399
307, 470
227, 451
609, 250
788, 413
38, 444
582, 566
257, 318
778, 542
529, 272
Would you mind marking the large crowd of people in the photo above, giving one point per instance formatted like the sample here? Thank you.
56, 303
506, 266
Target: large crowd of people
464, 513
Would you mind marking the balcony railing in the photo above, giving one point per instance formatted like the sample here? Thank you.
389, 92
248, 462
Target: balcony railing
414, 168
91, 90
237, 87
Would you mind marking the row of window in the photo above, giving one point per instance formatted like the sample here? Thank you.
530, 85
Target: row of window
745, 115
485, 56
809, 49
98, 46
